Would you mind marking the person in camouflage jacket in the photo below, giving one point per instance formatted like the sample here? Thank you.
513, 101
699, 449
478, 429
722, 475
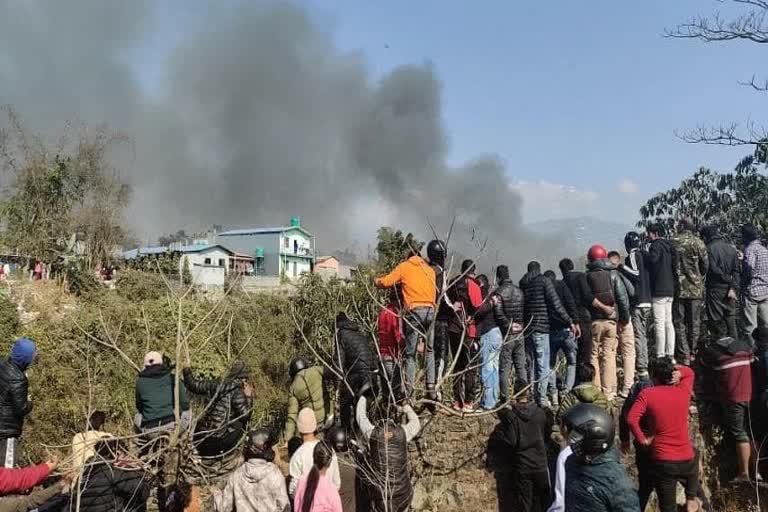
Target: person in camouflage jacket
691, 262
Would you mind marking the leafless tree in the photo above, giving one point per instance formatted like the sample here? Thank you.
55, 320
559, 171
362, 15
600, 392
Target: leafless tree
749, 24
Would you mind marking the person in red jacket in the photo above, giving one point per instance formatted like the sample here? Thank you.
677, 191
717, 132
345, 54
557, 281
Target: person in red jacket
21, 480
391, 344
728, 368
665, 407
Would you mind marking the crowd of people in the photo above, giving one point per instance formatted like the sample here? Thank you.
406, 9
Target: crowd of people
561, 362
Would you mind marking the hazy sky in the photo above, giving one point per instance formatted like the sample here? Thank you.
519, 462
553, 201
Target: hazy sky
581, 99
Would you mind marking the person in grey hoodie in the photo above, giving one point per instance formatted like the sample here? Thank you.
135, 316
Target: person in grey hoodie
257, 485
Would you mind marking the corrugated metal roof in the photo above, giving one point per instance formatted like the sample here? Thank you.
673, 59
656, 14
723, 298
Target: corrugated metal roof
149, 251
262, 231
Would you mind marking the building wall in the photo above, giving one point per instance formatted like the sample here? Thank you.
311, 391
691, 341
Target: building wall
208, 268
330, 264
215, 255
247, 244
207, 276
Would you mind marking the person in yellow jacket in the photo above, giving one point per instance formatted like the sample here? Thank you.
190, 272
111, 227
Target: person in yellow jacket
308, 390
417, 281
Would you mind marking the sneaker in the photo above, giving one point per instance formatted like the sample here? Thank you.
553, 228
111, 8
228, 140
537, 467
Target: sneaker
623, 394
741, 479
555, 400
457, 406
469, 407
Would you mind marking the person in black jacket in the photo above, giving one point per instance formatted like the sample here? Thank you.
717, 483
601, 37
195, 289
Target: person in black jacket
517, 455
14, 402
228, 407
355, 361
436, 251
722, 282
541, 302
661, 265
106, 487
562, 339
635, 269
574, 280
509, 314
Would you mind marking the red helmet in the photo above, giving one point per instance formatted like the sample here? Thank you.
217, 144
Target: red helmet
597, 252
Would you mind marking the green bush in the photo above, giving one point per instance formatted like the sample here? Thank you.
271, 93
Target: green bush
137, 285
9, 321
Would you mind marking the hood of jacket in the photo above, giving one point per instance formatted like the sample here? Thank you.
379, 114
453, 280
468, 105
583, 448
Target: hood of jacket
524, 412
257, 470
587, 393
600, 265
155, 371
348, 325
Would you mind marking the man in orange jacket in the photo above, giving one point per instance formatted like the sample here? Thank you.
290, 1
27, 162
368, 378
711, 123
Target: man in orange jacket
417, 281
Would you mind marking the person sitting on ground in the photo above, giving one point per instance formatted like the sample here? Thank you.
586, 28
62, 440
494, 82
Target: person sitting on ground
155, 391
257, 485
337, 438
355, 361
727, 364
301, 461
388, 458
315, 492
84, 443
14, 402
228, 406
308, 389
665, 406
105, 486
517, 455
584, 392
595, 479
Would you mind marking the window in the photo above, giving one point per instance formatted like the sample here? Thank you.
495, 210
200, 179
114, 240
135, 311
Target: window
295, 270
287, 243
221, 262
207, 261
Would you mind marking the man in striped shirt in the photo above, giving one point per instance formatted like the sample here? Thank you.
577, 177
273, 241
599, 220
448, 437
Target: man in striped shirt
754, 280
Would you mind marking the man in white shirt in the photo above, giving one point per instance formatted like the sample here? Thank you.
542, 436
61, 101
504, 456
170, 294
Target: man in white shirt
302, 460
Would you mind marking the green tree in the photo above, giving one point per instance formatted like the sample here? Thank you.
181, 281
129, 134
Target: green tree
393, 246
725, 200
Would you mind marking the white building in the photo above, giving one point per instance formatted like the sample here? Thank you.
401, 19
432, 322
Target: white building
208, 264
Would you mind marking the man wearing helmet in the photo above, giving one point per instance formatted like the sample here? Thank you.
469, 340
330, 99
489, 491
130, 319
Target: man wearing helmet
337, 438
307, 390
439, 343
610, 305
595, 479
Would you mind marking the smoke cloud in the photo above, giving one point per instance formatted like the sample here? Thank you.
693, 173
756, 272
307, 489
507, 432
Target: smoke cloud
258, 117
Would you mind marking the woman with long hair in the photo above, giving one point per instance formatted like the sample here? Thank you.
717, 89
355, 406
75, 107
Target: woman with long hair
315, 492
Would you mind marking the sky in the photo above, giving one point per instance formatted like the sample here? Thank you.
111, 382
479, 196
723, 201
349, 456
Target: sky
581, 100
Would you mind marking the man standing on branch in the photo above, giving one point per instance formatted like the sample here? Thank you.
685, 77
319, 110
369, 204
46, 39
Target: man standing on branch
417, 280
436, 252
692, 266
541, 301
561, 339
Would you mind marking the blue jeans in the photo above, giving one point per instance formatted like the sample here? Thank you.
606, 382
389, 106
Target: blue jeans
417, 326
490, 347
538, 350
562, 339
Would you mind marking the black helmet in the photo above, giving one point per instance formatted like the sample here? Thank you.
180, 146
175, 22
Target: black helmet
337, 438
298, 364
632, 240
590, 430
436, 252
258, 444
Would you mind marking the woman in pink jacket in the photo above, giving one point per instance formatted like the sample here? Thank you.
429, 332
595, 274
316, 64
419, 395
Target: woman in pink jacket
315, 492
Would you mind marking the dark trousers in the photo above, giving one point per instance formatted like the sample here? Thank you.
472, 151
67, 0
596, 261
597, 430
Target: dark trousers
721, 312
644, 475
686, 315
210, 446
464, 373
512, 352
523, 492
441, 344
666, 477
584, 352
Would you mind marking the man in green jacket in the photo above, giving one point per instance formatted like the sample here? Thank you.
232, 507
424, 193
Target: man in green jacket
584, 392
155, 397
692, 264
307, 391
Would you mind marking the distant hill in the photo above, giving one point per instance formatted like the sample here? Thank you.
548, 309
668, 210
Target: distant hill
578, 234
